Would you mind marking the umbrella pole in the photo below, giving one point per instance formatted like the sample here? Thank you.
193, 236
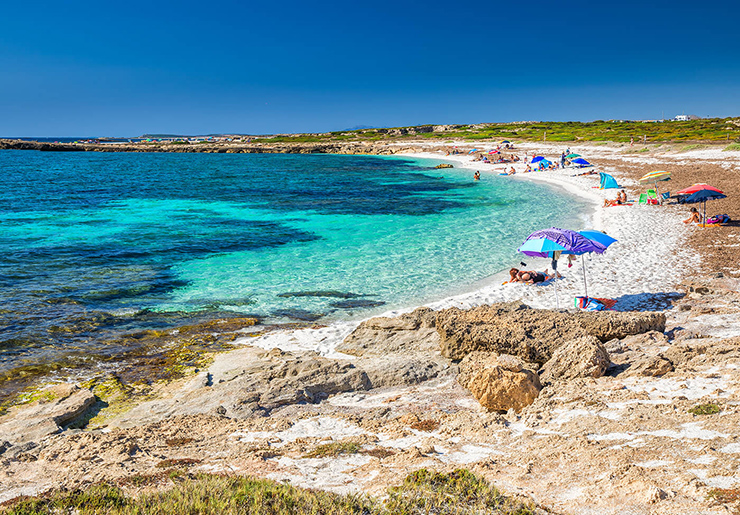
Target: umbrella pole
704, 218
555, 269
585, 284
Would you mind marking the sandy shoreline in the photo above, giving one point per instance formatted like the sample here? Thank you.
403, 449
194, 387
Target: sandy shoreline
639, 270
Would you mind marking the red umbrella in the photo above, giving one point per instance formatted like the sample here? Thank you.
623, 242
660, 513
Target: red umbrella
697, 187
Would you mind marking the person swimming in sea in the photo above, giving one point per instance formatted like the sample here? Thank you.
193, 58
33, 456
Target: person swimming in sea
476, 176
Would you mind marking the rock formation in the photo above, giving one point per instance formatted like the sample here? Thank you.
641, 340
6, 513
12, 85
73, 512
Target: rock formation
581, 357
498, 382
532, 334
46, 415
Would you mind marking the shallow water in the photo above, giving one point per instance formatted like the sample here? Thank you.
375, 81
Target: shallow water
96, 244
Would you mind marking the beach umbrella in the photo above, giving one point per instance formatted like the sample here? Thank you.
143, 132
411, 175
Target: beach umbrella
697, 187
571, 156
540, 247
537, 159
598, 237
703, 196
474, 150
581, 162
555, 241
655, 177
493, 152
504, 142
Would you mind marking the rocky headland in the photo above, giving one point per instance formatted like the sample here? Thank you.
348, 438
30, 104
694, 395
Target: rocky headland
350, 147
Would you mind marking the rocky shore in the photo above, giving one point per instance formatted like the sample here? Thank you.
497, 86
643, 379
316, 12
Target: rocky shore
374, 148
568, 409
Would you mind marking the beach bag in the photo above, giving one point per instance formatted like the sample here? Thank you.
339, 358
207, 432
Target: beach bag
718, 219
594, 305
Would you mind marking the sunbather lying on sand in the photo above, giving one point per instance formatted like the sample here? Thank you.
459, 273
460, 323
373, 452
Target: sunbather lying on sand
533, 277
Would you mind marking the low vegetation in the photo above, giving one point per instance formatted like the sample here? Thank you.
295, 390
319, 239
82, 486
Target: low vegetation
708, 408
729, 496
422, 492
329, 450
710, 130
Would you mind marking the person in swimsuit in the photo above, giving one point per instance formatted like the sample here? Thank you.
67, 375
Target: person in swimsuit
694, 218
514, 275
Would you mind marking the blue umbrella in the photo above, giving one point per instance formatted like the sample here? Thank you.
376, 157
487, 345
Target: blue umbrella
702, 196
540, 247
581, 162
598, 237
537, 159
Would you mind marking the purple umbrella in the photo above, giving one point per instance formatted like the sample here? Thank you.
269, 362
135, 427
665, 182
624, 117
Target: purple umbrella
571, 241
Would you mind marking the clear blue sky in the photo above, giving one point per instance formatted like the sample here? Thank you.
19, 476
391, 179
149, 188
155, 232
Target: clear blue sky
103, 68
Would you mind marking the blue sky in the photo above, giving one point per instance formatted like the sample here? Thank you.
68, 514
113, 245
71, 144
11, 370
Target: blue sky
100, 68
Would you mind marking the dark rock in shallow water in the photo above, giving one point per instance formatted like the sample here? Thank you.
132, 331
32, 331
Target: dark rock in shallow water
298, 314
352, 304
325, 293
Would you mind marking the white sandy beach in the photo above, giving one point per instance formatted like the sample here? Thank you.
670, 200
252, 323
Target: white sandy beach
644, 265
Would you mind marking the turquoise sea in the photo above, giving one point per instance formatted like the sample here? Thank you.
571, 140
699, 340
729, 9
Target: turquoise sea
100, 244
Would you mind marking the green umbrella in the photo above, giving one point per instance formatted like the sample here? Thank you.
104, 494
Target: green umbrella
571, 156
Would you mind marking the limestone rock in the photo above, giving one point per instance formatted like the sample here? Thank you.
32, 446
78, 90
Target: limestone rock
400, 370
498, 382
606, 325
380, 336
55, 407
654, 366
251, 382
582, 357
649, 338
532, 334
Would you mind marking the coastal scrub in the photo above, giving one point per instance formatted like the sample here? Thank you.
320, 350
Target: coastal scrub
460, 492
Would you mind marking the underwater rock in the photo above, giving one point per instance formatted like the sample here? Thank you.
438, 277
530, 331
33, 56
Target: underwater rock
298, 314
321, 293
353, 304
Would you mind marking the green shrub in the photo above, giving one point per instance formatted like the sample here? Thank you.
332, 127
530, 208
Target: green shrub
708, 408
422, 492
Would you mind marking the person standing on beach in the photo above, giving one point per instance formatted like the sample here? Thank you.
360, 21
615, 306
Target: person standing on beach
562, 160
